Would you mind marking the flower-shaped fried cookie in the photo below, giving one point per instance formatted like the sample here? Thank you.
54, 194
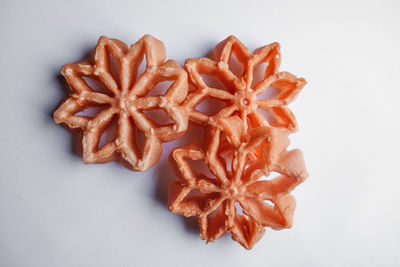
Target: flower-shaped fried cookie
240, 91
211, 195
126, 98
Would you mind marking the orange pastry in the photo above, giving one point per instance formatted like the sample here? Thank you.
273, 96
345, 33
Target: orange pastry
240, 91
211, 194
126, 97
230, 193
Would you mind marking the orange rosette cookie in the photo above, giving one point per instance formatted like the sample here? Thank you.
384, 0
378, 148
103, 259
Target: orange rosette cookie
126, 97
229, 194
242, 91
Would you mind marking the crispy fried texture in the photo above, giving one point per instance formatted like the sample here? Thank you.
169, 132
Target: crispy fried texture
233, 177
230, 194
126, 98
241, 92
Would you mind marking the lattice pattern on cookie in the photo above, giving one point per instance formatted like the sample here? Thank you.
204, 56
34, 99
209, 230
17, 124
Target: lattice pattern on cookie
212, 196
241, 93
125, 97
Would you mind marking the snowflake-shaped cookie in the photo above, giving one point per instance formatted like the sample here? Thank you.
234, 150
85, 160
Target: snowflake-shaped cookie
126, 98
241, 91
211, 193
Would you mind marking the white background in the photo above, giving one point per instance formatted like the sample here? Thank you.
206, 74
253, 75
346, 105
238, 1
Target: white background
56, 211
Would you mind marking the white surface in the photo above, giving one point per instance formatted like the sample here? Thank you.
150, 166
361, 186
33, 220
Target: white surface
56, 211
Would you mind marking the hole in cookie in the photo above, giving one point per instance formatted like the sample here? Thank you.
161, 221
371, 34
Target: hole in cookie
253, 164
194, 193
259, 74
285, 88
269, 115
239, 210
271, 176
159, 116
211, 106
114, 68
92, 111
97, 86
212, 81
142, 67
200, 169
235, 66
269, 203
110, 133
270, 93
160, 89
246, 166
140, 139
227, 157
